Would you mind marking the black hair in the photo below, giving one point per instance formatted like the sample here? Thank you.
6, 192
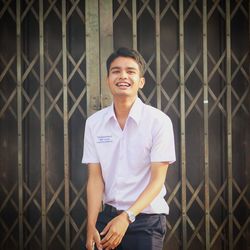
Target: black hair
126, 52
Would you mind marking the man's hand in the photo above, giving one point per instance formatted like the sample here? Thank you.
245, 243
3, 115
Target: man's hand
93, 238
114, 231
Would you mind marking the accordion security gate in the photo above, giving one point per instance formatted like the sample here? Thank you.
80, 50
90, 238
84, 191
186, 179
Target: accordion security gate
52, 76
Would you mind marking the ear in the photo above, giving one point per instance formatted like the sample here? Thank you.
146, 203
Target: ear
142, 82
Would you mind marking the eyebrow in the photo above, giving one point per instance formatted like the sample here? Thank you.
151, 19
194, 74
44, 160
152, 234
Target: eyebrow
116, 67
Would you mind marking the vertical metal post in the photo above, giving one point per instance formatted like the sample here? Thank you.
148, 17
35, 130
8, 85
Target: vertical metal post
183, 132
248, 144
158, 52
134, 24
106, 47
42, 124
229, 126
92, 56
248, 133
206, 143
65, 126
19, 123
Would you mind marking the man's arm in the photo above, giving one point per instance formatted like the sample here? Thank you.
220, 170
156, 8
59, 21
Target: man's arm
117, 227
95, 188
157, 180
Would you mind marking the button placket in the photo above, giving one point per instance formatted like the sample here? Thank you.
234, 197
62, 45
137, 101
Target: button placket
122, 146
120, 156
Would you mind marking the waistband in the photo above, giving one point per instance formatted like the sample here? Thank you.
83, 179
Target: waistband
111, 210
108, 209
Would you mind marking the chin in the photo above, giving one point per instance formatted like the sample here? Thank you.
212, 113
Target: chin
122, 94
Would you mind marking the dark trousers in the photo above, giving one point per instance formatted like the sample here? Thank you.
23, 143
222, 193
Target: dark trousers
146, 233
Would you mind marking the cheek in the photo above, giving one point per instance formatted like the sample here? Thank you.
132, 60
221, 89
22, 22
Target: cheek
138, 81
135, 78
111, 80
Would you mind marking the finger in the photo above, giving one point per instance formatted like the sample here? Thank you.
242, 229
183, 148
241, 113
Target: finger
108, 235
97, 240
117, 242
99, 246
109, 248
110, 242
90, 245
106, 238
105, 230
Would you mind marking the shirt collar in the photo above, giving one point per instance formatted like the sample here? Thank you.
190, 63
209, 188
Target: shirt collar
135, 112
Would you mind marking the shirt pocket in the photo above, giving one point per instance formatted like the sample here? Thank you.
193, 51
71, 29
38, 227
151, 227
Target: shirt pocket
106, 147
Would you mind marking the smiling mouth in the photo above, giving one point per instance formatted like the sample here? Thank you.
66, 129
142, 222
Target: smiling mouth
123, 84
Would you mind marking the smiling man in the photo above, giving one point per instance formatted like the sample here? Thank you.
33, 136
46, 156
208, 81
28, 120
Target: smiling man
128, 147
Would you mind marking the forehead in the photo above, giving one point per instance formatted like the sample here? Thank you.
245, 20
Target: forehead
124, 62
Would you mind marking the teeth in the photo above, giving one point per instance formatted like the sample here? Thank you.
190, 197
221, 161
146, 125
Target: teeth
123, 85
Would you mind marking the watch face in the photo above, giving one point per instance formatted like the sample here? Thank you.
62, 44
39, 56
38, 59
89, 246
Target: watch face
131, 216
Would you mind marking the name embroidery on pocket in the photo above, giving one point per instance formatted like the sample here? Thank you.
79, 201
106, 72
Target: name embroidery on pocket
104, 139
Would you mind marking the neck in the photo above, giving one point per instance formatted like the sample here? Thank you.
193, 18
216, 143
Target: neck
122, 108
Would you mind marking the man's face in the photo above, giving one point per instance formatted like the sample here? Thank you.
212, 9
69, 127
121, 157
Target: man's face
124, 77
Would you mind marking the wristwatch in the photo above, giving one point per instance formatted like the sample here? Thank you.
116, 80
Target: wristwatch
131, 216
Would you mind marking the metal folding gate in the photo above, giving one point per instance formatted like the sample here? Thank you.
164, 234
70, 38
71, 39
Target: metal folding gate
52, 76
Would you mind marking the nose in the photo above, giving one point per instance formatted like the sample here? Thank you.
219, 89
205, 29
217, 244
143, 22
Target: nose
123, 74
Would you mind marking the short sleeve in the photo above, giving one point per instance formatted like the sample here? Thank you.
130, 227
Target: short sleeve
89, 149
163, 146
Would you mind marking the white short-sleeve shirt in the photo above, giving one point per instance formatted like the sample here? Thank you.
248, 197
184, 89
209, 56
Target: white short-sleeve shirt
125, 155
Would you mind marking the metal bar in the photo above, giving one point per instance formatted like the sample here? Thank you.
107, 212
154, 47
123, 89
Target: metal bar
65, 127
158, 52
42, 124
229, 125
206, 136
248, 132
92, 56
106, 46
19, 123
183, 133
134, 24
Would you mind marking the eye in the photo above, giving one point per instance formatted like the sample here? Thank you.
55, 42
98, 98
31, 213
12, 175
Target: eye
115, 71
131, 72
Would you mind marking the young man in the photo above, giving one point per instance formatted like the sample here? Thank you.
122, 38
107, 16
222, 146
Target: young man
128, 147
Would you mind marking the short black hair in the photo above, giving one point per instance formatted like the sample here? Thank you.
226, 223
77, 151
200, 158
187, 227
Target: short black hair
126, 52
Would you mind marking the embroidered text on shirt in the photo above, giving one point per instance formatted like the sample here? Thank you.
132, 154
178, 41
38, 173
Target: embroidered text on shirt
104, 139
